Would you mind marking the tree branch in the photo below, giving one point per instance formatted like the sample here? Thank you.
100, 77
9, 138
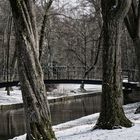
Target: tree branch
123, 8
138, 21
132, 20
77, 55
97, 56
43, 27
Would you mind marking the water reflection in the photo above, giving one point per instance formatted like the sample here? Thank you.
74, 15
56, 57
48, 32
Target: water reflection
11, 124
63, 109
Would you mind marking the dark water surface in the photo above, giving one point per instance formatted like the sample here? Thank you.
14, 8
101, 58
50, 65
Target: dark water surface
12, 122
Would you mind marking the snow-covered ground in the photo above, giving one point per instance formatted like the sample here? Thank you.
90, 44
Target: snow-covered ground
62, 90
14, 98
81, 129
74, 89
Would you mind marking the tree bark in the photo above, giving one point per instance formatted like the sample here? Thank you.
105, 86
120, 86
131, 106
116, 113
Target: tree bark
112, 115
13, 65
38, 118
43, 28
9, 31
136, 42
137, 51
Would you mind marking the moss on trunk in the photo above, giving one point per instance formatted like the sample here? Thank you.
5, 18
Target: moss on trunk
38, 118
112, 115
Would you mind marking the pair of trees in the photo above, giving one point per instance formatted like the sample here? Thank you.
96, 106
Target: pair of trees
31, 77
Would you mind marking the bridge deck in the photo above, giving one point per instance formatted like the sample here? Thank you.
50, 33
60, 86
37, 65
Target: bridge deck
70, 81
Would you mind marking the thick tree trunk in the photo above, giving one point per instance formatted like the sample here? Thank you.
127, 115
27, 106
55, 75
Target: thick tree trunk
36, 105
38, 119
112, 114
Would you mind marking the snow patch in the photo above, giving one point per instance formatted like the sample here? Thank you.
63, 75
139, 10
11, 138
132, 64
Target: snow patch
81, 129
61, 91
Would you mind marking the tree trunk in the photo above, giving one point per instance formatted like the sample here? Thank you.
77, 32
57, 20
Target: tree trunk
132, 22
4, 57
82, 88
43, 28
38, 119
13, 65
9, 31
112, 115
137, 51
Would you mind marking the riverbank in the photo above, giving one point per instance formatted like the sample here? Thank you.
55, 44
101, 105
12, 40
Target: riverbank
62, 90
80, 129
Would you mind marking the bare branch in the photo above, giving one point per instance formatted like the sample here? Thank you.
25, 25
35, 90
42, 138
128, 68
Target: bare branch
43, 27
77, 55
97, 55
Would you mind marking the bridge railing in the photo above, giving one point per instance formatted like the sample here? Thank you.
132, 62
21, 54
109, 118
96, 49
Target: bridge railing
65, 72
131, 75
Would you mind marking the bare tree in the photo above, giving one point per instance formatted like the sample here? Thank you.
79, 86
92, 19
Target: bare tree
9, 32
4, 30
112, 115
38, 119
43, 27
